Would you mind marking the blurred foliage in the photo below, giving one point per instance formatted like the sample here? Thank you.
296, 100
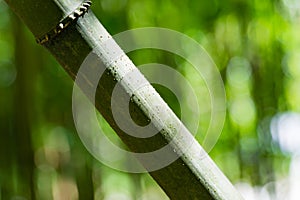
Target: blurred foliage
255, 45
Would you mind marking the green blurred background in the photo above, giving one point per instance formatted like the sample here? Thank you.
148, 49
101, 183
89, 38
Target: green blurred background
256, 46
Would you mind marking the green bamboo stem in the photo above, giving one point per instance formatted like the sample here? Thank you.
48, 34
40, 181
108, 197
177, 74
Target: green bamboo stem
194, 175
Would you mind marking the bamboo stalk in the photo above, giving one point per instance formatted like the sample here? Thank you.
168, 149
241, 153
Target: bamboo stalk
193, 175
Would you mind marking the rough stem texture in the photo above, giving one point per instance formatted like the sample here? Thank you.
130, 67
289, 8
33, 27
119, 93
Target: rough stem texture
193, 175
